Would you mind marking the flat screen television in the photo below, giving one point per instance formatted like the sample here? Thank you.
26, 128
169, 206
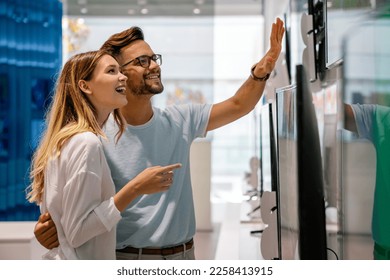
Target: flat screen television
328, 106
300, 192
269, 175
287, 191
311, 199
268, 149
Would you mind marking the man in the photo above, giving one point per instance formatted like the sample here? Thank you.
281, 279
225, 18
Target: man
162, 226
372, 122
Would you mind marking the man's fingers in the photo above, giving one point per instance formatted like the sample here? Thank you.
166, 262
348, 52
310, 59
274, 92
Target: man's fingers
280, 26
277, 34
51, 229
48, 238
277, 31
52, 242
40, 228
45, 229
47, 235
44, 223
54, 245
44, 217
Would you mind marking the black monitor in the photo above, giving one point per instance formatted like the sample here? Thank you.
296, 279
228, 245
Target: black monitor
300, 193
311, 199
269, 177
268, 149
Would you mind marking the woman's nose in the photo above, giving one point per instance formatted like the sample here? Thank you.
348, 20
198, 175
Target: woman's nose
122, 77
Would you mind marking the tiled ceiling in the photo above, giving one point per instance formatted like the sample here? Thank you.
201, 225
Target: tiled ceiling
121, 8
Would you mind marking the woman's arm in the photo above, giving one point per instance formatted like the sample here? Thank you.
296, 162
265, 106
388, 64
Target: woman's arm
152, 180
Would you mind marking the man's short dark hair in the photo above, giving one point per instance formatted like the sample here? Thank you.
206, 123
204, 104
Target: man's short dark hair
116, 42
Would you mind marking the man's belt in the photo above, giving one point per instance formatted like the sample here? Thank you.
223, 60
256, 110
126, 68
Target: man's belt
158, 251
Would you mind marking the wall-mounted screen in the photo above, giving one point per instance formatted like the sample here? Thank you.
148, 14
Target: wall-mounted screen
300, 192
341, 17
268, 149
311, 198
288, 184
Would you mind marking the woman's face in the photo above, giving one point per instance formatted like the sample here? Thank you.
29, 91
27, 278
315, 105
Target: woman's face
107, 88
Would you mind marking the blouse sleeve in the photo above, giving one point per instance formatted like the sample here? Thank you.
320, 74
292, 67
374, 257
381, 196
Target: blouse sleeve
88, 210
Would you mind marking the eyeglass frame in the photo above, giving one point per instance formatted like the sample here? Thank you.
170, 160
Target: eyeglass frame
154, 57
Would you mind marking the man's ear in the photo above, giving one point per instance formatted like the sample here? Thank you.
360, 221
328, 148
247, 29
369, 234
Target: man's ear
83, 85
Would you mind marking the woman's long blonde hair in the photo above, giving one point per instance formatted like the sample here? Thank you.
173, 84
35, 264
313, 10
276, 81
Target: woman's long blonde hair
70, 113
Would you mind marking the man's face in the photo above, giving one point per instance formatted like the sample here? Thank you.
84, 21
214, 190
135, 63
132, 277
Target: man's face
141, 80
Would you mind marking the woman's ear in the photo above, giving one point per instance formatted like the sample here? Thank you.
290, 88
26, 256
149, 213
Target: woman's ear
83, 85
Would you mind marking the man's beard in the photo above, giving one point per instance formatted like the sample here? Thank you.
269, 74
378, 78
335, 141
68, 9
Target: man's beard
146, 89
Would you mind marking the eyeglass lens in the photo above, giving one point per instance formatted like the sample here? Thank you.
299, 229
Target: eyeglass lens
145, 60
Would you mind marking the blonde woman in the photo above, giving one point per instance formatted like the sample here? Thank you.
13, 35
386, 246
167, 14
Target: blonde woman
70, 176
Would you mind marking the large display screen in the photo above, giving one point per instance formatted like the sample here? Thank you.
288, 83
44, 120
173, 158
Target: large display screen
300, 192
288, 184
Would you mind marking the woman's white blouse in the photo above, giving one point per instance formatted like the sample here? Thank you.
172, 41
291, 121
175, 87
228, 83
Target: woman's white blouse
79, 196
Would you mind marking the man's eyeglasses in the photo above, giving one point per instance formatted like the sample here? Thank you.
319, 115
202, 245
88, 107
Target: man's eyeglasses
144, 60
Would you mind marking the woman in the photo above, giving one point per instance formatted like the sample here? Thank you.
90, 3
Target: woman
70, 176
